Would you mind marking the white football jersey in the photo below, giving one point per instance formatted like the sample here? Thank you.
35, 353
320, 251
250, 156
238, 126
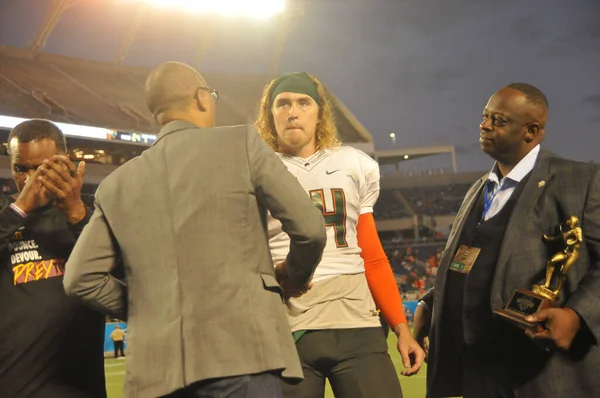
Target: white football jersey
344, 183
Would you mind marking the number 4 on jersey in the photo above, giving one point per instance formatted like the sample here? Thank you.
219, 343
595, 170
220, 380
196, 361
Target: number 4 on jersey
335, 218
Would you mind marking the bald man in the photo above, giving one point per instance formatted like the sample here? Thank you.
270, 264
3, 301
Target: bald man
187, 223
496, 247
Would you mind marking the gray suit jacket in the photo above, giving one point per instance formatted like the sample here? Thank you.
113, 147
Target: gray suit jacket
186, 220
568, 188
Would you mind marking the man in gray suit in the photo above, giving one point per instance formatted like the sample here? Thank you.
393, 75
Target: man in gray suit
187, 222
529, 192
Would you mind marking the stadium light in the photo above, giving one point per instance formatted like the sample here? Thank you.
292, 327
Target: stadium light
260, 9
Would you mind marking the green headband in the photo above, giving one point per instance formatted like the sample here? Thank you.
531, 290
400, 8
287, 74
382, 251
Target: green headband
299, 83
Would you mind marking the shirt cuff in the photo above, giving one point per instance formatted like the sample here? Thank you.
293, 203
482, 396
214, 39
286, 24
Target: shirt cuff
18, 210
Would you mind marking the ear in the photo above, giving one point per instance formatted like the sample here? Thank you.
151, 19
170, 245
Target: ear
200, 100
533, 132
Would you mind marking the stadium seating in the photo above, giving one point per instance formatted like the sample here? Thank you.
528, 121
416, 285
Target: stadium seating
389, 206
64, 97
112, 96
415, 266
431, 200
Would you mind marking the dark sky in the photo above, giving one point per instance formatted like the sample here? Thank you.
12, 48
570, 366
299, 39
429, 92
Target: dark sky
422, 69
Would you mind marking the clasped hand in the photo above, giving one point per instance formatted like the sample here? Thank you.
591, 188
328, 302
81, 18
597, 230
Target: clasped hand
56, 179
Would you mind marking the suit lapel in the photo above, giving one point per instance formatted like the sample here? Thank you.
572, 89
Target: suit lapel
453, 238
461, 216
521, 215
457, 228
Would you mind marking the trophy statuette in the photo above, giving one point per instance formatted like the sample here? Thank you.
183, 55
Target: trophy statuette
527, 302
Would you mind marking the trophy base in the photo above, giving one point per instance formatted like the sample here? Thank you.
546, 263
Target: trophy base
522, 304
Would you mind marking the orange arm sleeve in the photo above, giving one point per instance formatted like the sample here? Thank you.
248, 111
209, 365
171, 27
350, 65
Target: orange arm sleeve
379, 272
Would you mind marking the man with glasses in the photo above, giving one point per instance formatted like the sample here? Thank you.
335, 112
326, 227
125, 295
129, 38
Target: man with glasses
187, 222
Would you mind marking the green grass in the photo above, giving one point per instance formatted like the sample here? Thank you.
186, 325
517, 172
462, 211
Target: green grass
115, 377
412, 387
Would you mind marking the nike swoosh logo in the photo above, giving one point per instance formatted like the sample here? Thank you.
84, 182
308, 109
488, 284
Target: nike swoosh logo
331, 172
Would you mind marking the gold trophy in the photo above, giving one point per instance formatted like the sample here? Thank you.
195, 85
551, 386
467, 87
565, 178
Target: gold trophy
527, 302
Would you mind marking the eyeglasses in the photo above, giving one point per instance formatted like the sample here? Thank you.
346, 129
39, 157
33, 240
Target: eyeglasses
214, 94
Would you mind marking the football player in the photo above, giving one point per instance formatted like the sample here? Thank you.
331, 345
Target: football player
335, 323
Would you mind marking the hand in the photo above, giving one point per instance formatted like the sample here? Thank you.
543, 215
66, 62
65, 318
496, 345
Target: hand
421, 327
60, 177
424, 343
290, 288
560, 326
411, 352
34, 195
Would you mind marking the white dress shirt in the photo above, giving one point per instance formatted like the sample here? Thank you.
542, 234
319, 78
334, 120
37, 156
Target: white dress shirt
501, 190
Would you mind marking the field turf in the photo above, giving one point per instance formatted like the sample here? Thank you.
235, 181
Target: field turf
412, 387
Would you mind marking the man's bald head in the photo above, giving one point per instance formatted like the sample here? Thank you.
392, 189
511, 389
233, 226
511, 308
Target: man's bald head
514, 121
172, 86
536, 101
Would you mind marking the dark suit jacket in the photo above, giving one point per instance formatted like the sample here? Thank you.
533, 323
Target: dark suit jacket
556, 189
187, 220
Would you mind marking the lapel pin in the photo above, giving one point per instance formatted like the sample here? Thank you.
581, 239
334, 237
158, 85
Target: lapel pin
541, 183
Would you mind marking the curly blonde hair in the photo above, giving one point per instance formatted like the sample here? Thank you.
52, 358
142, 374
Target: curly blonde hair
326, 132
